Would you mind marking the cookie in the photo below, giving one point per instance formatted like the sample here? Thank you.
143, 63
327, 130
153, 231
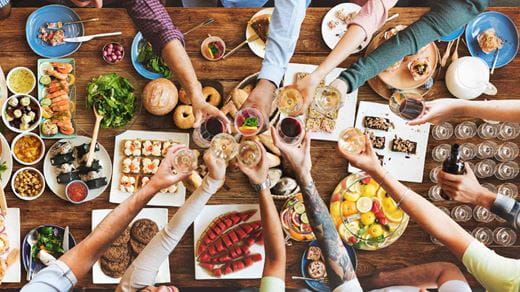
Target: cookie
123, 238
143, 230
136, 246
116, 253
114, 269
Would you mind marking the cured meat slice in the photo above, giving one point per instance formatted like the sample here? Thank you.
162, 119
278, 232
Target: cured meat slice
229, 238
237, 265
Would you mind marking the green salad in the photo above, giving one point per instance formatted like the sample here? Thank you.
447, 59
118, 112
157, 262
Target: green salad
49, 240
3, 167
113, 97
151, 61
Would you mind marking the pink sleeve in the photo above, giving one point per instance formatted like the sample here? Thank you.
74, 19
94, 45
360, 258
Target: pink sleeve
373, 15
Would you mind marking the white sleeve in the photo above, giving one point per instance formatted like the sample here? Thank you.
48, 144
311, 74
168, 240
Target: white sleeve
455, 286
350, 286
143, 271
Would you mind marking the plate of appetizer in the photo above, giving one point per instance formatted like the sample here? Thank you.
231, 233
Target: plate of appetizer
295, 222
21, 80
137, 155
395, 142
57, 96
6, 161
47, 247
313, 266
335, 24
66, 162
490, 31
10, 267
259, 25
118, 257
145, 61
48, 41
3, 87
28, 148
228, 242
21, 113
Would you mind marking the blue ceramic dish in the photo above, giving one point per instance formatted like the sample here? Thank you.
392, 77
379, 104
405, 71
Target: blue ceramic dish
134, 51
454, 35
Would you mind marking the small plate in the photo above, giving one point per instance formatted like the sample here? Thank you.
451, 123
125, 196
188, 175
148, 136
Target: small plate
506, 30
316, 285
454, 35
36, 264
53, 13
258, 46
5, 155
134, 52
331, 36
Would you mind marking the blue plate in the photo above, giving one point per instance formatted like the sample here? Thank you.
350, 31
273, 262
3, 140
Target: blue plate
505, 29
318, 286
36, 264
53, 13
138, 66
454, 35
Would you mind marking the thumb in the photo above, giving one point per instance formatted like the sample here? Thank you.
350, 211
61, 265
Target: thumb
419, 121
198, 119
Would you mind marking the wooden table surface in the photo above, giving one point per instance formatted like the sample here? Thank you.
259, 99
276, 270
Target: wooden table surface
414, 247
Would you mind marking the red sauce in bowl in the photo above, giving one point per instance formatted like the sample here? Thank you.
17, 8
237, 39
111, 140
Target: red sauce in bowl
77, 191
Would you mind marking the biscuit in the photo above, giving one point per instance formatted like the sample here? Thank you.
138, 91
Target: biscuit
136, 246
116, 253
114, 269
143, 230
123, 239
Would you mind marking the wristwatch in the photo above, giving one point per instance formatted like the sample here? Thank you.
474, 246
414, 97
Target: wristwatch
261, 186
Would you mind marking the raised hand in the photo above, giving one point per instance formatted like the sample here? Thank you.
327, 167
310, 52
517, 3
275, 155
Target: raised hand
261, 98
165, 175
439, 110
366, 160
258, 173
298, 156
216, 166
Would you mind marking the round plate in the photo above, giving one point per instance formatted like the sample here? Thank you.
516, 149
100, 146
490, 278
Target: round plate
318, 286
134, 52
53, 13
49, 171
36, 264
331, 36
454, 35
258, 46
5, 156
505, 29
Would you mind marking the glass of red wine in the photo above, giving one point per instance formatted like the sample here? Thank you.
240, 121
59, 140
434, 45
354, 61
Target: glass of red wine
291, 130
407, 105
209, 128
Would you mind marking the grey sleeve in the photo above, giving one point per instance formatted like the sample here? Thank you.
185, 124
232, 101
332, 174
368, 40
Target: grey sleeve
507, 208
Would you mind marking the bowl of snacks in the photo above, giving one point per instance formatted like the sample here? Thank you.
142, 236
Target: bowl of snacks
213, 48
21, 80
365, 215
249, 122
21, 113
28, 183
295, 222
113, 53
28, 148
76, 191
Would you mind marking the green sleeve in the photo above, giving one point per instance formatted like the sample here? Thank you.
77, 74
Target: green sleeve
444, 17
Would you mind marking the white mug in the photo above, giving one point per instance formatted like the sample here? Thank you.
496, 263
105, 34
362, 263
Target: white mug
468, 78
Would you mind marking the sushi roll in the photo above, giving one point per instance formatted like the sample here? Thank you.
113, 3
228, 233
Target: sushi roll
95, 166
150, 166
166, 145
420, 68
94, 180
61, 153
128, 183
131, 165
67, 177
152, 148
132, 147
83, 149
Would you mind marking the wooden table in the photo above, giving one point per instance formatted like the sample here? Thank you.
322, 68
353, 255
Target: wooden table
413, 248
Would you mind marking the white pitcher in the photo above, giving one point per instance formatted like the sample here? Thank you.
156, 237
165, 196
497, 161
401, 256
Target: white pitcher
468, 78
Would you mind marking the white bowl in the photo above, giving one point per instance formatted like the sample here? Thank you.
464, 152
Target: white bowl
37, 118
28, 198
16, 69
18, 138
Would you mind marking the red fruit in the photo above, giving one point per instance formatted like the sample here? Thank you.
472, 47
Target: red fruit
256, 257
226, 241
241, 233
352, 240
204, 258
239, 266
235, 267
235, 218
228, 222
245, 249
217, 272
225, 258
222, 226
247, 214
227, 269
233, 253
212, 251
366, 180
260, 241
208, 267
376, 207
219, 245
383, 220
248, 261
246, 227
233, 236
211, 234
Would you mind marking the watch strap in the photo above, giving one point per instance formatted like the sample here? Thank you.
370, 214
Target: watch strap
261, 186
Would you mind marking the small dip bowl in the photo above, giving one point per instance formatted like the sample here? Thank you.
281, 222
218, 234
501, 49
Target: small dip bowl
113, 53
76, 191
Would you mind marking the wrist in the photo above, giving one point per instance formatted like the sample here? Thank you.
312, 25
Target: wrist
304, 178
462, 108
485, 198
317, 75
257, 181
265, 84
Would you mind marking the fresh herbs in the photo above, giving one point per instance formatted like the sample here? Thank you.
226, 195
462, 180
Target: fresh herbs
3, 167
250, 122
113, 97
151, 61
49, 240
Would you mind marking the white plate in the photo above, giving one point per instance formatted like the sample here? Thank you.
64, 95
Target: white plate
402, 166
160, 199
258, 46
332, 36
6, 156
157, 215
50, 172
346, 113
3, 87
12, 224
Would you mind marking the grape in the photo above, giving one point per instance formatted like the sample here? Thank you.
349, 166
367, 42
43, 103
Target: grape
105, 53
110, 46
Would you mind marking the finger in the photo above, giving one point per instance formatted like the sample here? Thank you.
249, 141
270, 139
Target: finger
181, 176
263, 152
448, 184
276, 138
307, 143
99, 3
444, 176
368, 146
198, 119
469, 170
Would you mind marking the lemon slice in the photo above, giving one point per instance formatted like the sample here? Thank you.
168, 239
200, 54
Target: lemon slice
394, 216
304, 218
364, 204
350, 196
299, 208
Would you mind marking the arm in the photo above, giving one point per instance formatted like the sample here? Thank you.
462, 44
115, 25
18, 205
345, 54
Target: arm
143, 270
425, 276
444, 17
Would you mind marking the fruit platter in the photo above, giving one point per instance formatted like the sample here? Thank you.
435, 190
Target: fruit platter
295, 222
365, 216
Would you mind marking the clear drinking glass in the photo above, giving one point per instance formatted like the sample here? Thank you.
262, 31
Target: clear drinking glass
504, 236
184, 160
466, 130
249, 153
485, 168
487, 130
462, 213
508, 189
506, 170
351, 140
483, 215
224, 146
208, 129
327, 99
249, 121
407, 105
290, 100
507, 151
442, 131
486, 149
291, 130
434, 172
441, 152
508, 131
434, 193
483, 234
468, 151
490, 187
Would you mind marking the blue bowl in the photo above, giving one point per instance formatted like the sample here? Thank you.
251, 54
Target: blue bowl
453, 35
134, 51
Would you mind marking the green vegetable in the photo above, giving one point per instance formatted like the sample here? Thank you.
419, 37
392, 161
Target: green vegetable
45, 80
151, 61
46, 102
48, 240
113, 97
3, 167
250, 122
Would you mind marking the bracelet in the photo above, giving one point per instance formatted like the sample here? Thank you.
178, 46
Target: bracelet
403, 197
382, 184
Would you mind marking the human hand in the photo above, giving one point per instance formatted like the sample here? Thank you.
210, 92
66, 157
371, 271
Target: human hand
165, 175
216, 166
257, 174
366, 160
465, 188
202, 110
307, 87
88, 3
261, 98
298, 156
439, 110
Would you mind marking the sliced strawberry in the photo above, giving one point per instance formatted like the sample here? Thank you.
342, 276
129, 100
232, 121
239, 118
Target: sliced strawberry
222, 226
227, 269
239, 265
235, 218
235, 266
225, 258
247, 214
228, 222
248, 261
211, 235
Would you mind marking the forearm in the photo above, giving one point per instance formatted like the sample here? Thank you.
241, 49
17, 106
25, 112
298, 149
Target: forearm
273, 237
497, 110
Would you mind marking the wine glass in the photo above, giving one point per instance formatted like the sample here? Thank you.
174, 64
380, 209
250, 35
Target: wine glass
485, 168
249, 121
507, 151
482, 214
506, 170
441, 152
224, 146
249, 153
351, 140
504, 236
184, 160
327, 99
466, 130
442, 131
508, 189
290, 100
487, 130
486, 149
433, 173
407, 105
508, 131
434, 193
468, 151
462, 213
291, 130
208, 129
483, 234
